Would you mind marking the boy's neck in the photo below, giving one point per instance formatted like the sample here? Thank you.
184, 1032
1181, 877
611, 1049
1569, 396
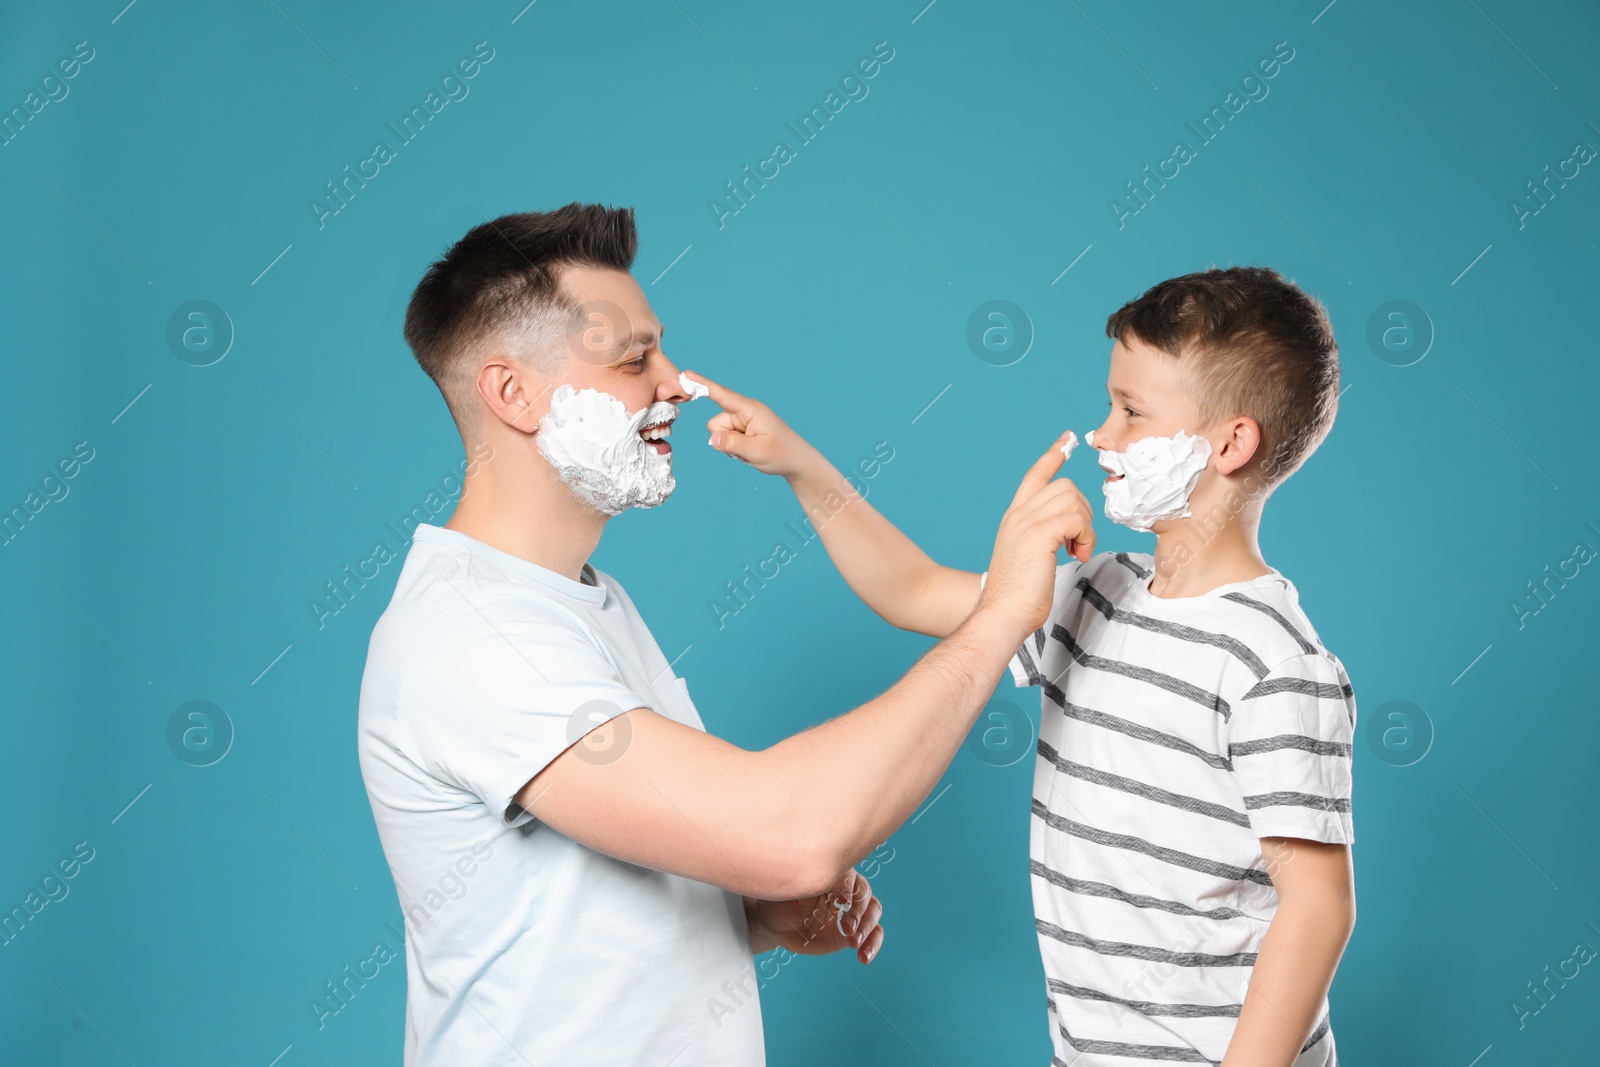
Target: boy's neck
1191, 560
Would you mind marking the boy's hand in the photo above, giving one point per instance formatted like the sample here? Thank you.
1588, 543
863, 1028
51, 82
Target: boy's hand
747, 429
1044, 515
846, 916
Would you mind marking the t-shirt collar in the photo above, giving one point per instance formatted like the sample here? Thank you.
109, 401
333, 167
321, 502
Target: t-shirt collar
591, 589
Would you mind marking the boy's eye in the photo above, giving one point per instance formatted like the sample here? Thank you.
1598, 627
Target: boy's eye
1130, 411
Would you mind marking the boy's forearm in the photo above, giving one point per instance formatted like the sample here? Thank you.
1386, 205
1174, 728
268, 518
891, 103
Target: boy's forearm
883, 566
1293, 971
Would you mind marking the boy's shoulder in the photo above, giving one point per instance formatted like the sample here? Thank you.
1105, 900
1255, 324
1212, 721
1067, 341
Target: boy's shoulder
1262, 613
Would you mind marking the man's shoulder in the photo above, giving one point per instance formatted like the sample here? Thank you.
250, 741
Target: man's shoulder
449, 601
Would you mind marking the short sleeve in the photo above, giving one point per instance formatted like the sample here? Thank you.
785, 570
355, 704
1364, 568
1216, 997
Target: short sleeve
493, 697
1289, 737
1026, 663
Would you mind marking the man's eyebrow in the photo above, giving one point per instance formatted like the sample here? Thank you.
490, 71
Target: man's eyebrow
641, 338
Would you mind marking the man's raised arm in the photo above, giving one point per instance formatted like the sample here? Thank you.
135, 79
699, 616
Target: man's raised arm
785, 822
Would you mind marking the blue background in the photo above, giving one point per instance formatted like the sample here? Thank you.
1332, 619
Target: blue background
181, 563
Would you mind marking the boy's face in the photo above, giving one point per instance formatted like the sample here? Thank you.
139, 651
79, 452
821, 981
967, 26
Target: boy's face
1147, 397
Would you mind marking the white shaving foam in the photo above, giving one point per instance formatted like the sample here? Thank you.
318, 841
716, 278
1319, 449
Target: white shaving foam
693, 388
1069, 444
1158, 474
594, 444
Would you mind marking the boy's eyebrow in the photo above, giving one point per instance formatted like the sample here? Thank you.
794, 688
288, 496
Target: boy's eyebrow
1125, 395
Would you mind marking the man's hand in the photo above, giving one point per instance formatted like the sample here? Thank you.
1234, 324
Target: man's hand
747, 429
846, 916
1043, 517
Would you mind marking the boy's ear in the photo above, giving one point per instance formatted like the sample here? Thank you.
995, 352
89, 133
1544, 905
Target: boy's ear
1241, 436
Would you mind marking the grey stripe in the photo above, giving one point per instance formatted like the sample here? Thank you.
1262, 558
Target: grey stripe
1148, 953
1149, 792
1297, 800
1238, 649
1272, 686
1139, 844
1137, 900
1272, 613
1175, 686
1122, 558
1133, 729
1316, 1035
1148, 1007
1027, 665
1282, 741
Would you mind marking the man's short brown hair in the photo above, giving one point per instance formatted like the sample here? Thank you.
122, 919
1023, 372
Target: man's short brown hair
1250, 343
502, 280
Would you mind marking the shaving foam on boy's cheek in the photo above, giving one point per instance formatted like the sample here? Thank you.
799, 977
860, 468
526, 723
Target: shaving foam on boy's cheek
594, 446
1158, 474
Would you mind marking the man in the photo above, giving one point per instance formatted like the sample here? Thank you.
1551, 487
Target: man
526, 745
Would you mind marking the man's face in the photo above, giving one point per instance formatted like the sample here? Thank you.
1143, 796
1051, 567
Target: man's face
616, 347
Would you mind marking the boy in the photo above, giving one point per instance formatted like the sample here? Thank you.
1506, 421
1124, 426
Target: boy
1190, 855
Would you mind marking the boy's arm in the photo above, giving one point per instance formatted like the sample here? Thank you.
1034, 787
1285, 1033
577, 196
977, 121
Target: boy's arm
1301, 950
883, 566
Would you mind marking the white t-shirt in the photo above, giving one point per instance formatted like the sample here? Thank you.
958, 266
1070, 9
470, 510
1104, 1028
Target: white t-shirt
1174, 734
524, 947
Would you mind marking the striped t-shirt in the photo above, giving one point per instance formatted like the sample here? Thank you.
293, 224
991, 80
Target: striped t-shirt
1174, 734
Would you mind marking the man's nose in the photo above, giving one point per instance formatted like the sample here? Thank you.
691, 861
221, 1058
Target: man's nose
670, 386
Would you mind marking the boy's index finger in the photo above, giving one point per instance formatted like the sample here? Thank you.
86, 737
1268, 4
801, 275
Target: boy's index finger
721, 395
1039, 475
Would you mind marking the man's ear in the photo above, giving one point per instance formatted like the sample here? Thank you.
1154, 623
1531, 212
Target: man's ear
513, 391
1241, 436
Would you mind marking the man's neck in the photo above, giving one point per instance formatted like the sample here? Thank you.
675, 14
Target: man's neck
531, 515
1191, 560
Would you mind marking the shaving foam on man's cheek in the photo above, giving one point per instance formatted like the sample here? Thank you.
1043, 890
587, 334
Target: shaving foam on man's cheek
1157, 476
595, 447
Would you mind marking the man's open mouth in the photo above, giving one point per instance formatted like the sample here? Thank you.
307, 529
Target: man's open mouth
656, 437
